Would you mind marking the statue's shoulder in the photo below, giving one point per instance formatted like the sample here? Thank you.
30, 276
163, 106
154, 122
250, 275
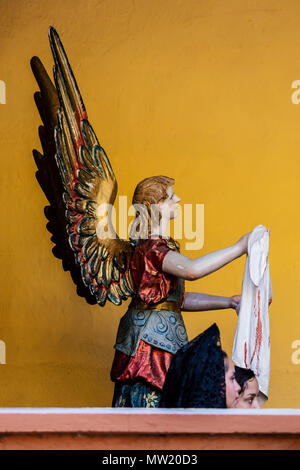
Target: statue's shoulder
147, 244
173, 244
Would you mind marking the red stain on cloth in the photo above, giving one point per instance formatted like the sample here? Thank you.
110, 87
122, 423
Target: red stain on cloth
258, 336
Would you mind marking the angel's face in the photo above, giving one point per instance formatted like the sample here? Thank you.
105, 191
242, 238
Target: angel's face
169, 207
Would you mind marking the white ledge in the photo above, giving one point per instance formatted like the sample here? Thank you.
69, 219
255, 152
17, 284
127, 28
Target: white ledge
160, 411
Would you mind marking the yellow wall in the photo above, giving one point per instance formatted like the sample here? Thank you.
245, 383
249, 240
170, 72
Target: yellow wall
197, 90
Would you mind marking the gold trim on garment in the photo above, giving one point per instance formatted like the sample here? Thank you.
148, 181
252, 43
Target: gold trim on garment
170, 305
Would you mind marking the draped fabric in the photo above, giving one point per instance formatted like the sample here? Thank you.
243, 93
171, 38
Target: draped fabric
196, 377
251, 348
149, 364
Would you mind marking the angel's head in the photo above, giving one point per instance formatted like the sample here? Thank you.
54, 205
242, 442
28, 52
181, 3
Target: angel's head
155, 202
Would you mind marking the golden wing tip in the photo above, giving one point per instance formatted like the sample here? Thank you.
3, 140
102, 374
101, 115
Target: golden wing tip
51, 31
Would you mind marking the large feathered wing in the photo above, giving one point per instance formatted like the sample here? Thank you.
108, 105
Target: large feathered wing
90, 191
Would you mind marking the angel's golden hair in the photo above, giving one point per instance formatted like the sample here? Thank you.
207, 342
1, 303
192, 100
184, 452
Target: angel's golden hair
149, 192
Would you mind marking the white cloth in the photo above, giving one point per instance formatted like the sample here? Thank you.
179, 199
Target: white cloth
251, 348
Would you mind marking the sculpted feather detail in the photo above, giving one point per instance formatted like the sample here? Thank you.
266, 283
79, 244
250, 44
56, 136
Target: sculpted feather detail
90, 191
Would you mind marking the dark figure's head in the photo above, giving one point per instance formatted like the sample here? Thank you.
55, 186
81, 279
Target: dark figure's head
201, 375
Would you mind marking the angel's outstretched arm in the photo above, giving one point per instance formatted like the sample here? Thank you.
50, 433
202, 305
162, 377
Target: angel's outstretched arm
191, 269
196, 302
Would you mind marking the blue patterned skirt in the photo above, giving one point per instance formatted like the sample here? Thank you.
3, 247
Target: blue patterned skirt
137, 395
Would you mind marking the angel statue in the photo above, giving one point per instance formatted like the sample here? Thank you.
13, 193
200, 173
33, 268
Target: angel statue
148, 268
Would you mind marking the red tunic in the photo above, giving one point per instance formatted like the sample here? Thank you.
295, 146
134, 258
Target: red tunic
149, 363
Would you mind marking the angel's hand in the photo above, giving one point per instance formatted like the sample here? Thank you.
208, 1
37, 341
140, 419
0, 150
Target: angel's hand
243, 243
235, 302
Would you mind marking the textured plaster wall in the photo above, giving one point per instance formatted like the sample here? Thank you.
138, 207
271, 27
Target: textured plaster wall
197, 90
